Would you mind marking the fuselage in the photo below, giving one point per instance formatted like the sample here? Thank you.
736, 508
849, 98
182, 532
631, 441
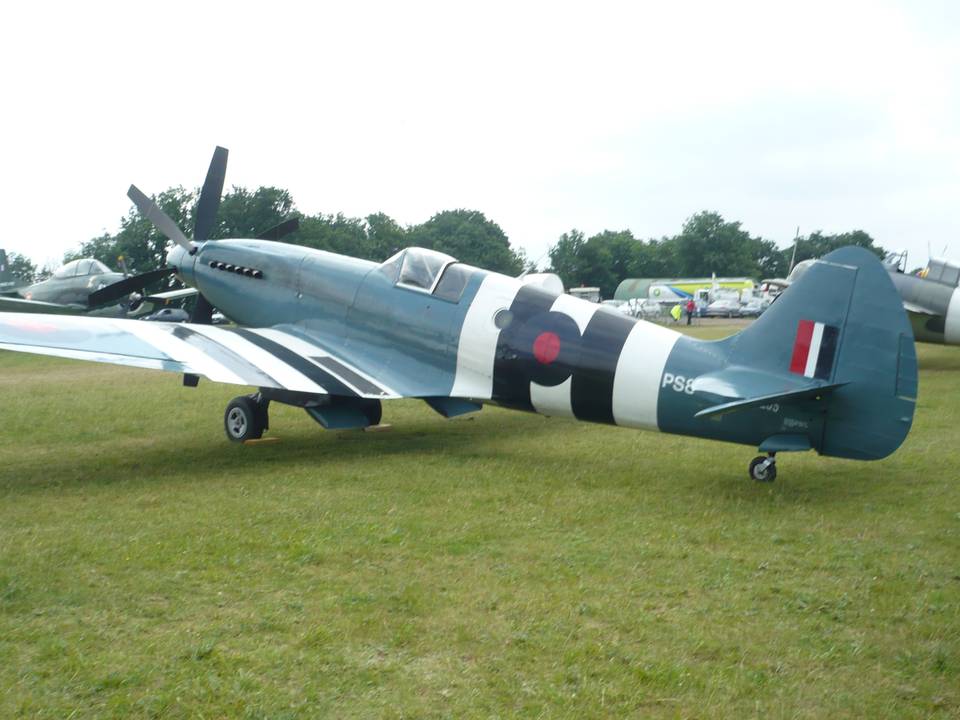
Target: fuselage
72, 283
934, 308
474, 334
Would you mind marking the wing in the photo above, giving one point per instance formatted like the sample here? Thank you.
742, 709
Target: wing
171, 295
914, 309
19, 305
263, 357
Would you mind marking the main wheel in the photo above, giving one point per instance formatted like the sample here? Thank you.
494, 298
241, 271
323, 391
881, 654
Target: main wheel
244, 419
763, 471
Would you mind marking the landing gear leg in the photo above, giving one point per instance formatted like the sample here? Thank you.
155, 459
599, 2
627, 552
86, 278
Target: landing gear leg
246, 418
764, 469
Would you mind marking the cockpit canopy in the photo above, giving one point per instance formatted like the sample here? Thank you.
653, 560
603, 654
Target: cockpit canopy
428, 271
942, 271
83, 266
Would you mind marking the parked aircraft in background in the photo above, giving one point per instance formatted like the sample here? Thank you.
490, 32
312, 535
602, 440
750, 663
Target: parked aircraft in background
931, 298
88, 287
72, 290
830, 366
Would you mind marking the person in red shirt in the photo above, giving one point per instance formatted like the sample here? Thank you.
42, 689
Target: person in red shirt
691, 307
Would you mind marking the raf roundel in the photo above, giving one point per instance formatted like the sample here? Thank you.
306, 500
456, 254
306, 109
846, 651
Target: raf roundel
546, 347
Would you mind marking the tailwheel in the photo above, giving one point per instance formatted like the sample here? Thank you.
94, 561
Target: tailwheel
764, 469
246, 418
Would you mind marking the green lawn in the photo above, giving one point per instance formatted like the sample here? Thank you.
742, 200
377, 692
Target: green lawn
506, 565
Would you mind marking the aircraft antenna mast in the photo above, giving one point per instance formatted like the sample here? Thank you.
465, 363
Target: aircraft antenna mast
793, 258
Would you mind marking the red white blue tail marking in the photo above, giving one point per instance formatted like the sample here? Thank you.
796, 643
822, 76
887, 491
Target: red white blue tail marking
814, 349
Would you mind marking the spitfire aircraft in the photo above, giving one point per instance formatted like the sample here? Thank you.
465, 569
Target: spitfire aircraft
73, 289
931, 299
831, 366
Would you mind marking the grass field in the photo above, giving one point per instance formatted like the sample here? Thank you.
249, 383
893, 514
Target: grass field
503, 566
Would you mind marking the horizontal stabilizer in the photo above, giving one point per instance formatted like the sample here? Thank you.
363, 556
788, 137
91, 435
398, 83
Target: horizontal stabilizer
803, 394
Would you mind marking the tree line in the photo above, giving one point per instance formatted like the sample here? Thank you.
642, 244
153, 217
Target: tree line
467, 235
706, 244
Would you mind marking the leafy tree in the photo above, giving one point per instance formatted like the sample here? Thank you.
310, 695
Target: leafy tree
384, 236
471, 238
22, 268
528, 265
771, 262
245, 214
709, 244
816, 244
334, 233
607, 258
566, 260
654, 258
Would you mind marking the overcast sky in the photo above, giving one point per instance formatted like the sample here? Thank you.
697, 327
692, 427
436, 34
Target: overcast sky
544, 116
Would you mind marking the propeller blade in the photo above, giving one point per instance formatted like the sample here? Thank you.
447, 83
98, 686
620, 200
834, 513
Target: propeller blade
122, 288
210, 195
152, 212
278, 231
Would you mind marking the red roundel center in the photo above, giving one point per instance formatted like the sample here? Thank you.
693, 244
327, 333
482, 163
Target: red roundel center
546, 347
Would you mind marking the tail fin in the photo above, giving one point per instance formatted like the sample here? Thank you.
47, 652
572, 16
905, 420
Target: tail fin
842, 327
8, 283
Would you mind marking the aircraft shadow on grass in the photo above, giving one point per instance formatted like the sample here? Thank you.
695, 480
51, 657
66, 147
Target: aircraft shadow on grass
465, 442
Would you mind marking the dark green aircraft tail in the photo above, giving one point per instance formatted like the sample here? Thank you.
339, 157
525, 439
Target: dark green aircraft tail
8, 283
842, 333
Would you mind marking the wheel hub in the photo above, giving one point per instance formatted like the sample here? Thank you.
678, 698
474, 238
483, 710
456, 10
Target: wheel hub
237, 423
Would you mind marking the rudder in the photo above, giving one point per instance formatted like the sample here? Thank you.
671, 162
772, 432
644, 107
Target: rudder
8, 282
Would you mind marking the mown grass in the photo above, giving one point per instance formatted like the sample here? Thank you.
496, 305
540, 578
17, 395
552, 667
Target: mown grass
507, 565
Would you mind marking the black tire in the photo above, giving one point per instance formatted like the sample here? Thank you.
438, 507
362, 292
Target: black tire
768, 474
373, 410
244, 419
